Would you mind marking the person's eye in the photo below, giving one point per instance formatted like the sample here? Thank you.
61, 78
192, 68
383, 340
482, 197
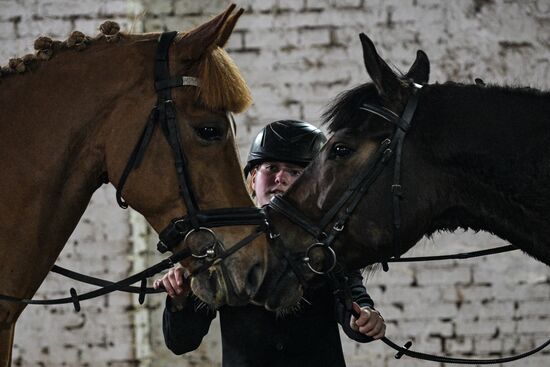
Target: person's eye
209, 133
295, 172
340, 151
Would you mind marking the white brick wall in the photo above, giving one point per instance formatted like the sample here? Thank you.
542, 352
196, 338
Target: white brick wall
296, 56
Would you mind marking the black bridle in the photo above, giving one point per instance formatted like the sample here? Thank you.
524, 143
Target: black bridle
342, 210
165, 115
340, 213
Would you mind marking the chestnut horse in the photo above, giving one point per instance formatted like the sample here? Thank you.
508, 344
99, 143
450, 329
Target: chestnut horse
472, 156
69, 124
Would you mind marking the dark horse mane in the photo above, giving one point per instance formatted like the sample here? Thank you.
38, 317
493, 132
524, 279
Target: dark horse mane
344, 111
491, 140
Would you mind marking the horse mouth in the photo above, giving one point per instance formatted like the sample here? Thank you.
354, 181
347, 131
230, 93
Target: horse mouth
214, 288
280, 290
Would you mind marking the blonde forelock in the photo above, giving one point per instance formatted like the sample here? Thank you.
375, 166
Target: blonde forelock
222, 86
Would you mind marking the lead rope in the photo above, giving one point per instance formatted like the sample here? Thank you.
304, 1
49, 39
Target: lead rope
343, 294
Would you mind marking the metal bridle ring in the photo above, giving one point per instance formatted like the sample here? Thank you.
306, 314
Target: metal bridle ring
326, 250
209, 252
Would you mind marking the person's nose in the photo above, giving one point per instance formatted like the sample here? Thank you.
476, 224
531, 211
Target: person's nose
282, 177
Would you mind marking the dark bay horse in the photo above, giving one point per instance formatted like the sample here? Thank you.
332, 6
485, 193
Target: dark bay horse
474, 156
71, 116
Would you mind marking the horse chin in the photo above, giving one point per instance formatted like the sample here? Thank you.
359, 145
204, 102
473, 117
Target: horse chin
211, 287
279, 293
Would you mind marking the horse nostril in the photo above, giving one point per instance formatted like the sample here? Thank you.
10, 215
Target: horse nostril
254, 279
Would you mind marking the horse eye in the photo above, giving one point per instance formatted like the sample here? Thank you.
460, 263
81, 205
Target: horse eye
209, 133
341, 151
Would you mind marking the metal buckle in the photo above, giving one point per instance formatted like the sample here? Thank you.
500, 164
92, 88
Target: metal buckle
327, 250
397, 189
387, 155
339, 227
274, 235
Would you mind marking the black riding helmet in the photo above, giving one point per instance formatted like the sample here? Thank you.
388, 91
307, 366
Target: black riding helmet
289, 141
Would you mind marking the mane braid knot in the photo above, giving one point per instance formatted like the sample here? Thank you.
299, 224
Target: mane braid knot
78, 40
110, 30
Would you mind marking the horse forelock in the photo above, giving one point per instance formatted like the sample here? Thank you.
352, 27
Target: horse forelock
222, 86
344, 111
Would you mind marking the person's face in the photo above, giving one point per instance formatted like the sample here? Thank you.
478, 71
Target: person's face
272, 178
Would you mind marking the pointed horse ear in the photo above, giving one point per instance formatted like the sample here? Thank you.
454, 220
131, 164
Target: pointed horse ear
386, 81
198, 40
228, 29
420, 69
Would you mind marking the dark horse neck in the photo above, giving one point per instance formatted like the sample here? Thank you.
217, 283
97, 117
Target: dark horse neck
493, 145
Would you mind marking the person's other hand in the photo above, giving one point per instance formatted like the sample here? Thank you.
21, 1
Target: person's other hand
370, 322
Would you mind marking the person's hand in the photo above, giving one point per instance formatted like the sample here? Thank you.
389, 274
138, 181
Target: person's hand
370, 322
176, 284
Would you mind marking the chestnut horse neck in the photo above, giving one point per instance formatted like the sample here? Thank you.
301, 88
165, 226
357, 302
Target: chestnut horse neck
51, 132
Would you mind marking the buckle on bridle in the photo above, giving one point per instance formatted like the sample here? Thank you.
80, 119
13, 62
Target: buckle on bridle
339, 227
397, 189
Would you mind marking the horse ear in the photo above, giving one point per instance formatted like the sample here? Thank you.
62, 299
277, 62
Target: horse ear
386, 81
420, 69
199, 39
228, 29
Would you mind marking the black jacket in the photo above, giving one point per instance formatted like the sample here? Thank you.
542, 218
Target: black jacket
252, 336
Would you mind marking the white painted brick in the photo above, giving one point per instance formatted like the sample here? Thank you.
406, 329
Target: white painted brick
406, 294
291, 4
259, 5
481, 327
270, 39
121, 8
533, 308
423, 329
12, 9
534, 325
501, 310
314, 37
55, 28
56, 8
317, 4
166, 7
209, 7
422, 311
485, 345
357, 4
459, 345
436, 276
7, 29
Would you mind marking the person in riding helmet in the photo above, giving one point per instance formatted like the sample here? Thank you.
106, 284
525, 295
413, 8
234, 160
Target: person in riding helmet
251, 335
